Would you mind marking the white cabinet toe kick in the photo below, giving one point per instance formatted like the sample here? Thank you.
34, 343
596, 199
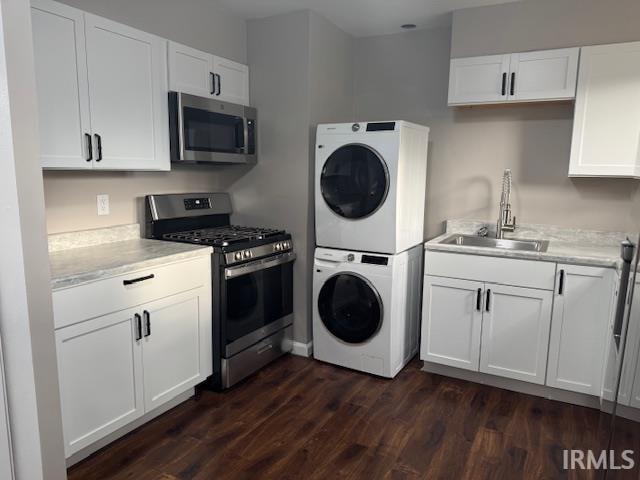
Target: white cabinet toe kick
525, 325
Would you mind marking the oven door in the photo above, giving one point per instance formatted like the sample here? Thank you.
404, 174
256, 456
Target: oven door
205, 130
257, 300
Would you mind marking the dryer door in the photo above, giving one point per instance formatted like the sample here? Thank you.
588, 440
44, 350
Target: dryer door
354, 181
350, 308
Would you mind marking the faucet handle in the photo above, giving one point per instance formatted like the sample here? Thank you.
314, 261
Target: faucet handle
482, 232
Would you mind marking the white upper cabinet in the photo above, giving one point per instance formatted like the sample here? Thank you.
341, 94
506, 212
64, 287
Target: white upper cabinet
200, 73
544, 75
515, 332
190, 70
232, 81
478, 79
127, 94
451, 322
102, 92
582, 310
547, 75
606, 128
62, 87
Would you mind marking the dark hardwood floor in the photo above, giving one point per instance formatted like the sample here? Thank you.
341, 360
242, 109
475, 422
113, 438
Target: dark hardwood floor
302, 419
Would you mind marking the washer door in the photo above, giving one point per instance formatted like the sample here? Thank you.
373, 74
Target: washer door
350, 308
354, 181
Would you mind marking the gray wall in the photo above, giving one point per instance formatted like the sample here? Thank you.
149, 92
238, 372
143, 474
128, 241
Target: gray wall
542, 24
71, 196
405, 76
300, 75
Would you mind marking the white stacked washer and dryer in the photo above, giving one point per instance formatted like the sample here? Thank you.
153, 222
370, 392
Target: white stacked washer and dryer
370, 181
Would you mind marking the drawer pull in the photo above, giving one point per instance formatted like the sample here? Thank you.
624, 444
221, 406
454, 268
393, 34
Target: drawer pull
137, 280
265, 348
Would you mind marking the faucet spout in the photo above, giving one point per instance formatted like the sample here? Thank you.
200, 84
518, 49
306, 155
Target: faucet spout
506, 223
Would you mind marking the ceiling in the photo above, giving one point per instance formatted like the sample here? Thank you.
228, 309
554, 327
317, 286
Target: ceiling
361, 18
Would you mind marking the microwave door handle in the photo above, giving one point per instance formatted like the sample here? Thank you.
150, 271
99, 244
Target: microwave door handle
181, 128
245, 148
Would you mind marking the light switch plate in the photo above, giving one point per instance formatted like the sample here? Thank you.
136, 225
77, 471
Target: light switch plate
103, 204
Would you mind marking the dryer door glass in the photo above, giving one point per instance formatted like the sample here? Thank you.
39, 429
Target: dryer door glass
354, 181
350, 308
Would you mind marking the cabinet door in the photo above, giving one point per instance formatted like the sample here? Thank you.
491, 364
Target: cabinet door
630, 383
61, 85
128, 96
451, 322
100, 370
606, 127
177, 345
515, 332
232, 81
190, 70
478, 80
579, 330
544, 75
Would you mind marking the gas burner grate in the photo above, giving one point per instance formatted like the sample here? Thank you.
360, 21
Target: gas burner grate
223, 236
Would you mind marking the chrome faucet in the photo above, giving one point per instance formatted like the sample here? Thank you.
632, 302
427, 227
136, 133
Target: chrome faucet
506, 223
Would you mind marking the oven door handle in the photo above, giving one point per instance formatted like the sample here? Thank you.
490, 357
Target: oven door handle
233, 272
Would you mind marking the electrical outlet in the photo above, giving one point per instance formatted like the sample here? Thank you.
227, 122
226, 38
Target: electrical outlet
103, 204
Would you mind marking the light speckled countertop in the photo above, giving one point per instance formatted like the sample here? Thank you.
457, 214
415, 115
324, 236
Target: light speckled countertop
82, 264
572, 246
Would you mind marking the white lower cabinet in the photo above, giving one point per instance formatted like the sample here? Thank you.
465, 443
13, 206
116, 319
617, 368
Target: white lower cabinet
515, 332
538, 329
486, 327
100, 371
451, 322
176, 336
582, 308
116, 367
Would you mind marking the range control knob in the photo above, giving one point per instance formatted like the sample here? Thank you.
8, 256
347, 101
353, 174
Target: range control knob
277, 247
351, 257
286, 245
237, 256
247, 254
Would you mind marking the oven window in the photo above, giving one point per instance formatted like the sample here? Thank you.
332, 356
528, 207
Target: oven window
256, 299
212, 132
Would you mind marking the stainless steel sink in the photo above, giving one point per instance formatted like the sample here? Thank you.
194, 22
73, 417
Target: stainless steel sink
502, 243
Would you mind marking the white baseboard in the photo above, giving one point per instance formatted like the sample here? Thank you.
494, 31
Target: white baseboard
302, 349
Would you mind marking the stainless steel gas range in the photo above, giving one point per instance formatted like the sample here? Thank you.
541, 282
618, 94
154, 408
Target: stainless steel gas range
252, 284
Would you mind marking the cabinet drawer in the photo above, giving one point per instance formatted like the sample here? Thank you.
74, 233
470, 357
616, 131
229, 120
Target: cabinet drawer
504, 271
91, 300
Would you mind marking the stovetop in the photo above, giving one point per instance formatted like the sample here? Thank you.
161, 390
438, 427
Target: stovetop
226, 236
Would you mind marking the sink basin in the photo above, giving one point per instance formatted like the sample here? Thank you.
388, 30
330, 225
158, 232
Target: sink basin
502, 243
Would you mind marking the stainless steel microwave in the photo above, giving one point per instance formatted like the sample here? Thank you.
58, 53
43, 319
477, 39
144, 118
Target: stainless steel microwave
203, 130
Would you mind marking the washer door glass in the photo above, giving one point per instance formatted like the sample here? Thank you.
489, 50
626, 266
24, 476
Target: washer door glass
354, 181
350, 308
